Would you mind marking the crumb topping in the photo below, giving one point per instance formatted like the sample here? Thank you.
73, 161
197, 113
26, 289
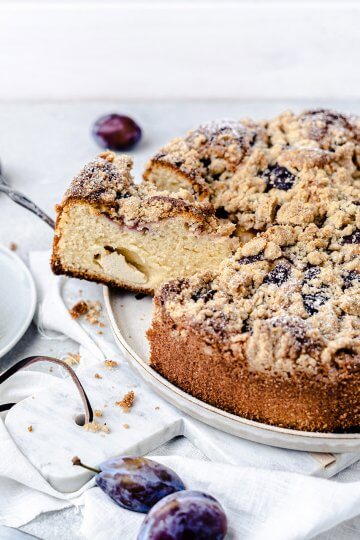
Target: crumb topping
210, 153
103, 181
321, 128
299, 169
289, 299
107, 184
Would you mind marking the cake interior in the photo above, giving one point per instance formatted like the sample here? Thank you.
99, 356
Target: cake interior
92, 246
167, 178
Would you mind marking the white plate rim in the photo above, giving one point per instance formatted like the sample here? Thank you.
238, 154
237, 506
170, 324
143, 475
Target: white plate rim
306, 436
32, 304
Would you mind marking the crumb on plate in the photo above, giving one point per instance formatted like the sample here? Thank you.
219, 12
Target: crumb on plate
79, 309
72, 359
111, 364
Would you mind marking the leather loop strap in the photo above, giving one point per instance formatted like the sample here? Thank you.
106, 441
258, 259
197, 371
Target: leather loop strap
89, 416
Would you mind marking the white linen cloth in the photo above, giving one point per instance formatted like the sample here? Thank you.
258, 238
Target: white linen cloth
260, 503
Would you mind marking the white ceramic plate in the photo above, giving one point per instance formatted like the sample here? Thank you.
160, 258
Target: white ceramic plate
17, 299
130, 319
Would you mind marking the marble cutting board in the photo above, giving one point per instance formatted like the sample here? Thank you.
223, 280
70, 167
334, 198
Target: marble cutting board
55, 437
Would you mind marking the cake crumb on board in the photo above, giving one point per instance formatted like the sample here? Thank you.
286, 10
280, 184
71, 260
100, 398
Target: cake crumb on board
95, 427
127, 401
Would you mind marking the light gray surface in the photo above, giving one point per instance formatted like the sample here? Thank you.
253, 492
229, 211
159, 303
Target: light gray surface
42, 146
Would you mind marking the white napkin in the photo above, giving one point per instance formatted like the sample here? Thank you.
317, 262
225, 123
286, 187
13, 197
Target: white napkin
259, 503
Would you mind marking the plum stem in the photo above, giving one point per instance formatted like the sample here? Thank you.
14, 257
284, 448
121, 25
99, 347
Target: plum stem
77, 461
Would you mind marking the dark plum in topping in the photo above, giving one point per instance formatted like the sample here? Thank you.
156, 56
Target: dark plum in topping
350, 279
311, 273
278, 177
278, 275
221, 213
204, 293
137, 483
187, 515
116, 132
313, 302
250, 259
353, 238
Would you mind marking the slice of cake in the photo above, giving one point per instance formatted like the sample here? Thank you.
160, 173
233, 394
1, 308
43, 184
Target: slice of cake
111, 231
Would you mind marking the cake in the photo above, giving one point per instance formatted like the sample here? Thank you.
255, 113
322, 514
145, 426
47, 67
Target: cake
112, 231
274, 335
248, 233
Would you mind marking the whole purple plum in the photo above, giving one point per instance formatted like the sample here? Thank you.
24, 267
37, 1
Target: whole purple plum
137, 483
116, 132
187, 515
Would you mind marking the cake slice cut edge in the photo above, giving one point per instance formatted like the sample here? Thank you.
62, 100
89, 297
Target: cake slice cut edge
111, 231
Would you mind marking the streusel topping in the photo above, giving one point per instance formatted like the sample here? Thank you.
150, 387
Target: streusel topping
322, 128
289, 298
104, 180
212, 151
291, 170
107, 184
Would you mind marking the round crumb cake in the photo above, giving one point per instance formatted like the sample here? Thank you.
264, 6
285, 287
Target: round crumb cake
274, 335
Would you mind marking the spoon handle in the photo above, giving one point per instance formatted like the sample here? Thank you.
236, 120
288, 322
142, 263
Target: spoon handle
22, 200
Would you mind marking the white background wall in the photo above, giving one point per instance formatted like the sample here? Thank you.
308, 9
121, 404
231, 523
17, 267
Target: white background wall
92, 49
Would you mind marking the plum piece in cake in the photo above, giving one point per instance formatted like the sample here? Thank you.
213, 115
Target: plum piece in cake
111, 231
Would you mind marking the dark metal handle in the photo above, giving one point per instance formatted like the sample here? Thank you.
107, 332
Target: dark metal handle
89, 416
24, 201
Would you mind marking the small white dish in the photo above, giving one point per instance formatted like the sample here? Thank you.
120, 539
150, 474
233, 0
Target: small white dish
130, 318
17, 299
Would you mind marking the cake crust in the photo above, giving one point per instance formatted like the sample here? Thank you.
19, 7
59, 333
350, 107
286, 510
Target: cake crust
218, 377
